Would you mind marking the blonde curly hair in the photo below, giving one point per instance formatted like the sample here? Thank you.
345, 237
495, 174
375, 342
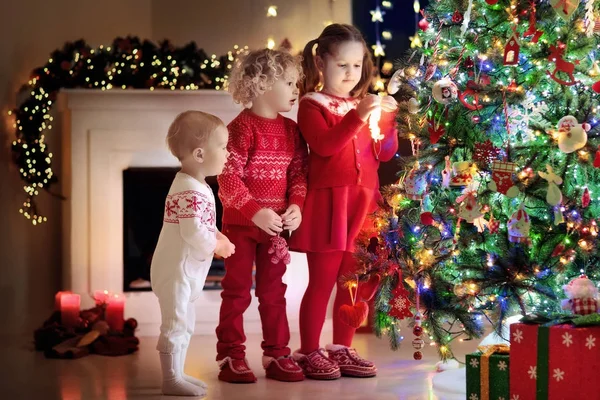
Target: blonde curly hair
255, 72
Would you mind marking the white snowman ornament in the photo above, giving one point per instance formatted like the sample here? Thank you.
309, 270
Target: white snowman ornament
445, 91
572, 135
415, 184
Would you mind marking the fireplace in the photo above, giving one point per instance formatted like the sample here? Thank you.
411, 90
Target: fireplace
144, 193
105, 133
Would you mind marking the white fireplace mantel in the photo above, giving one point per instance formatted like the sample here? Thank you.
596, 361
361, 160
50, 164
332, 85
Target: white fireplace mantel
104, 133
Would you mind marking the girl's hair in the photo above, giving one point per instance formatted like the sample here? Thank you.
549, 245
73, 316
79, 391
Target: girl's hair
255, 73
190, 130
327, 43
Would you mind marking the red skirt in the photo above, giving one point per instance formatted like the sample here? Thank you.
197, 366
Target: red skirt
332, 218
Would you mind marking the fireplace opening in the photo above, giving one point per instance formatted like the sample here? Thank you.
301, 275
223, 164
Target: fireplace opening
144, 194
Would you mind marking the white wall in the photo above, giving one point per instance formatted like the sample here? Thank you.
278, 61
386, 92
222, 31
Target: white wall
30, 257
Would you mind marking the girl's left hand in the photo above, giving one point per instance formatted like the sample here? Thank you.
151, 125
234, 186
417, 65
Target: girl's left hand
389, 104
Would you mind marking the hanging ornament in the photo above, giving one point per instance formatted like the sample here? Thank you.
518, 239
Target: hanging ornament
467, 19
565, 8
417, 355
415, 183
553, 196
572, 135
595, 70
518, 226
463, 173
491, 2
457, 17
556, 56
413, 105
399, 303
597, 158
493, 224
436, 130
582, 296
447, 172
395, 81
468, 208
355, 314
471, 90
423, 24
485, 153
559, 218
426, 218
431, 70
502, 178
476, 119
532, 30
511, 49
558, 250
585, 198
445, 91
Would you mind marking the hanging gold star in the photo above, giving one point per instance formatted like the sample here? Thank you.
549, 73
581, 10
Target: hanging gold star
378, 49
377, 15
415, 41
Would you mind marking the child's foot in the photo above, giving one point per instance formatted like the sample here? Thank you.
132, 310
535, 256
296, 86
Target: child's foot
173, 383
317, 365
283, 369
194, 381
350, 363
235, 371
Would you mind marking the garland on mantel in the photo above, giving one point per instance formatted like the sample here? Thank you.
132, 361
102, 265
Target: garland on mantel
127, 63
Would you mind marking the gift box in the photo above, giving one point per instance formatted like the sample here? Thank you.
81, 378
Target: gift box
555, 362
487, 373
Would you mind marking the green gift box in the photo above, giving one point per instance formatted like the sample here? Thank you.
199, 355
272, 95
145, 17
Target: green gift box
488, 373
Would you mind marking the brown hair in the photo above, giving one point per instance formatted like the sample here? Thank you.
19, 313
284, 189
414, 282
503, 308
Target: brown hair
255, 72
327, 42
190, 130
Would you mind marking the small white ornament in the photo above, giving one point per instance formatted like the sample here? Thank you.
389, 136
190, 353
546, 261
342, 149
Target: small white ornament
554, 196
445, 91
395, 81
413, 105
518, 226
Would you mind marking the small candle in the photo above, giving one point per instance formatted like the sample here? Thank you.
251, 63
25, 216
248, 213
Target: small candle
101, 296
57, 298
115, 312
69, 309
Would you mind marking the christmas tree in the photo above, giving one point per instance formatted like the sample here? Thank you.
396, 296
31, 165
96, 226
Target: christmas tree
496, 209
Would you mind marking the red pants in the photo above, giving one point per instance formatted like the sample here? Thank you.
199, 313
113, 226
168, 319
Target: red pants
251, 243
324, 269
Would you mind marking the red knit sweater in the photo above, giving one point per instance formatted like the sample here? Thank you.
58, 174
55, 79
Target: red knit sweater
266, 168
342, 152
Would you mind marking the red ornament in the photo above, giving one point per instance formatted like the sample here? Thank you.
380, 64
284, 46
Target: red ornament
471, 90
596, 87
585, 198
400, 303
511, 50
558, 250
436, 131
355, 315
491, 2
417, 355
427, 218
418, 343
532, 30
457, 17
493, 225
423, 24
476, 119
469, 63
417, 330
556, 56
597, 158
485, 153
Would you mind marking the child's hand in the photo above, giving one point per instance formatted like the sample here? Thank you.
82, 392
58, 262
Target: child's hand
268, 220
292, 218
224, 247
367, 105
389, 104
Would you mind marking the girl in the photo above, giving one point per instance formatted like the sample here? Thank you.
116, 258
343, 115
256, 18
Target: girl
342, 187
262, 189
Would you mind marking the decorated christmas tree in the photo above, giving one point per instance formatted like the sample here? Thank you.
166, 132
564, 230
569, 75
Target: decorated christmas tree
496, 209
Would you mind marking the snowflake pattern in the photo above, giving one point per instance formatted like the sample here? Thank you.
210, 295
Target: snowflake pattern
171, 207
400, 303
473, 396
558, 374
532, 372
590, 342
194, 203
515, 397
518, 336
502, 366
474, 363
567, 339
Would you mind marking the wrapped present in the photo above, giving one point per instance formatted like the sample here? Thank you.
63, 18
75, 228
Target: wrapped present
555, 362
487, 373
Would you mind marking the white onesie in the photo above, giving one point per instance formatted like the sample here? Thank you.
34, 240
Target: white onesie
182, 258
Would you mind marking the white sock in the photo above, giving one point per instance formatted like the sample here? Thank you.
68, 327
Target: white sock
189, 378
173, 383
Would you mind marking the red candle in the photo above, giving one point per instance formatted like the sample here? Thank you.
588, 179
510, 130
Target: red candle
101, 296
115, 312
57, 299
69, 309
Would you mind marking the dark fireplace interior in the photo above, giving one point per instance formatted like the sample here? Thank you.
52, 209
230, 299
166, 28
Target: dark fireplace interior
145, 191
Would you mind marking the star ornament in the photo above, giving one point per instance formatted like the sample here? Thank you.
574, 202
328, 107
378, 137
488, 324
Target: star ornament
415, 41
377, 15
378, 49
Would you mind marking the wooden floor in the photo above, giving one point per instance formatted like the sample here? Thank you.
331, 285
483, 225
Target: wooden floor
28, 375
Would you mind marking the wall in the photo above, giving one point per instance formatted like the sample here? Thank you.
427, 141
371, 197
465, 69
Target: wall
30, 257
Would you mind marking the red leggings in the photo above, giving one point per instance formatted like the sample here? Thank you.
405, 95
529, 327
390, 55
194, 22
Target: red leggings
324, 269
